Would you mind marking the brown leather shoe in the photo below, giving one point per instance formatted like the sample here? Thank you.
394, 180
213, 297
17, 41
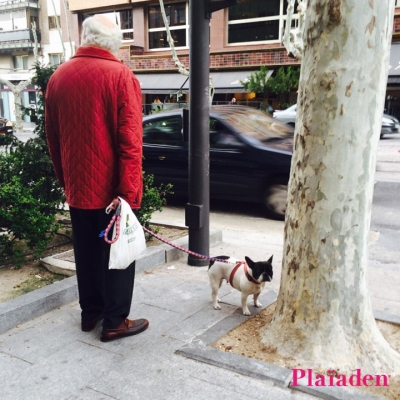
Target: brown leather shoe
90, 325
126, 328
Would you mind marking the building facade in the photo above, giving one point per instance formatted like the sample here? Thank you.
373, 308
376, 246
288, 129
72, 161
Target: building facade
242, 38
45, 25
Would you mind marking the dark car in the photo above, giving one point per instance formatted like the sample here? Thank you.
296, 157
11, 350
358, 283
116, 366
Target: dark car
6, 126
250, 155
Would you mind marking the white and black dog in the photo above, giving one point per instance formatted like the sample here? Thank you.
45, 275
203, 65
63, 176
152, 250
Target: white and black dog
248, 277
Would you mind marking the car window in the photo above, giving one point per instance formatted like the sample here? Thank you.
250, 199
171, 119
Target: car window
163, 130
221, 137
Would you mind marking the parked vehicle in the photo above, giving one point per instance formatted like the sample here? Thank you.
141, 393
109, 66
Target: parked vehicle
390, 124
287, 116
250, 155
6, 127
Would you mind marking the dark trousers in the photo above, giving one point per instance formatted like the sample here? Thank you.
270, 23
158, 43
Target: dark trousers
101, 290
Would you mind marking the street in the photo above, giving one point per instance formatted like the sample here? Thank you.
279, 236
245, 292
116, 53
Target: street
241, 216
231, 215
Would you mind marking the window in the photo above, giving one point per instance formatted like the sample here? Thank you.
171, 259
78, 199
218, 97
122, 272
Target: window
177, 19
221, 137
123, 19
55, 59
257, 22
53, 22
13, 20
21, 63
167, 130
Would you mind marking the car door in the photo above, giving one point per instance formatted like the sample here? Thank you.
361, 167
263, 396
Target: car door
231, 164
165, 153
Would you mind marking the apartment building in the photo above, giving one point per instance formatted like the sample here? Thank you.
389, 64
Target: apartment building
55, 30
242, 38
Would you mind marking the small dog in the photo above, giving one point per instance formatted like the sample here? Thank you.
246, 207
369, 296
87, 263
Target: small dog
248, 277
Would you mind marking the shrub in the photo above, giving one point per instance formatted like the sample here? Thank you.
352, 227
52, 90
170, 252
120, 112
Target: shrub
30, 196
153, 199
28, 221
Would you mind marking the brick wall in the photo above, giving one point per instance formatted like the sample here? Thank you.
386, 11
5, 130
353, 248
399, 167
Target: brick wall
225, 60
396, 26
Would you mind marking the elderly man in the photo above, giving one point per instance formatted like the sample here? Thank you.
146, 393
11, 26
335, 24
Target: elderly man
94, 130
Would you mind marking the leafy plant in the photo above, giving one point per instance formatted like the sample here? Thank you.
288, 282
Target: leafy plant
280, 84
30, 195
153, 199
25, 217
257, 82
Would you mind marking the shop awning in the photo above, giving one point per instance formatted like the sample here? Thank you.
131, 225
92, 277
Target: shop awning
167, 83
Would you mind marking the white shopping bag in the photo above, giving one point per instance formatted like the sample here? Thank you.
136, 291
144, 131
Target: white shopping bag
130, 241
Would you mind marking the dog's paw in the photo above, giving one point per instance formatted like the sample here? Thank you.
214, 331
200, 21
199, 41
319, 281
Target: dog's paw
246, 312
217, 306
257, 304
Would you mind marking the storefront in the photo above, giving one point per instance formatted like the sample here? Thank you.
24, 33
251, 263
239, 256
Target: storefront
164, 90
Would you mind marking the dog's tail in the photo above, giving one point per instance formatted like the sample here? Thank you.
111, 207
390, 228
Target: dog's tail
218, 257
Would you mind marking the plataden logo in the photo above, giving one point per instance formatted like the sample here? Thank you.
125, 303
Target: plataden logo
336, 379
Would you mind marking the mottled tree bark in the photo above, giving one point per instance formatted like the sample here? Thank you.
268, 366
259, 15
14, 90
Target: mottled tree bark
323, 317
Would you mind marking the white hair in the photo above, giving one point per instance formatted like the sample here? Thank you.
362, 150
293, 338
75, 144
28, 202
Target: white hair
102, 32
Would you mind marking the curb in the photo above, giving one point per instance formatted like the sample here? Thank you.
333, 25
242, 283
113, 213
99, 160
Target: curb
200, 350
41, 301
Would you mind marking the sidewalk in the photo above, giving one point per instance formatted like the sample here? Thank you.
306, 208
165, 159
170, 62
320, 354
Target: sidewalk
49, 357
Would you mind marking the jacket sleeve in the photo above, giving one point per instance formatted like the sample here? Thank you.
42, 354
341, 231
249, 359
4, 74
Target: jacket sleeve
52, 135
129, 141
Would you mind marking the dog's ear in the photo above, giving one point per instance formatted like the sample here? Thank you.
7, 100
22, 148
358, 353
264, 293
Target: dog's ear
248, 261
270, 260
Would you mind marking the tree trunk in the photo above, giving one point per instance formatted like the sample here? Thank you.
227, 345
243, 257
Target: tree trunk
323, 318
17, 89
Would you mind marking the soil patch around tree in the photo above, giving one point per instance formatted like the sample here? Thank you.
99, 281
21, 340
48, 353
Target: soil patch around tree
245, 340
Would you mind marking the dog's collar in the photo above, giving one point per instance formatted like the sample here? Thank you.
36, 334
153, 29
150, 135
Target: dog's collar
246, 271
248, 276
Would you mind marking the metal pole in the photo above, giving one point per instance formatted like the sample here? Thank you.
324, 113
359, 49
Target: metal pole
198, 208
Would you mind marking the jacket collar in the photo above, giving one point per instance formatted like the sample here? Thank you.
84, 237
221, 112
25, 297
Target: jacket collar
96, 52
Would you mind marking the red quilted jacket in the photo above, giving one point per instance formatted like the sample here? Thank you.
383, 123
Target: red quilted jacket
94, 129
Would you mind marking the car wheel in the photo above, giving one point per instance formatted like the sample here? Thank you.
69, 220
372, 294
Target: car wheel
276, 200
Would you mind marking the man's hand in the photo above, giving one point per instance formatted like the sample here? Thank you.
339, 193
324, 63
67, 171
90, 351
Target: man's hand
114, 204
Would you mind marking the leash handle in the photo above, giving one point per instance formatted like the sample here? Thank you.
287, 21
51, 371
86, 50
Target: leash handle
115, 219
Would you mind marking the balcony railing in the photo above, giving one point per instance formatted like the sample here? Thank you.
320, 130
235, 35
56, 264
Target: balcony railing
18, 4
18, 39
